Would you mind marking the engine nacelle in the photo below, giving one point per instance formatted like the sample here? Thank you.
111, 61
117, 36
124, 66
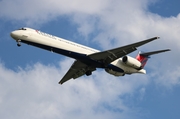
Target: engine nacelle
132, 62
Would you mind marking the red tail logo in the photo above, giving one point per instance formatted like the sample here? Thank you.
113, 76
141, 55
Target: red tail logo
142, 59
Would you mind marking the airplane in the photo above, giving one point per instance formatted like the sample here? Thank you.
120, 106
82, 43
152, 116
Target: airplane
115, 61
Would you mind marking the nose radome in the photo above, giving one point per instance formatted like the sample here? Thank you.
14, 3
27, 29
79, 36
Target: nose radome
14, 34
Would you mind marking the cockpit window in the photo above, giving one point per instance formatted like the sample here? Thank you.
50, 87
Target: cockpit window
22, 29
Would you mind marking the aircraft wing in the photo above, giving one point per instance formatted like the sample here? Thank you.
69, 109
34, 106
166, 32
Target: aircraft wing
77, 69
109, 56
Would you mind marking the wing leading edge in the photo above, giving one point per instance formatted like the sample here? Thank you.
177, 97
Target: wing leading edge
78, 68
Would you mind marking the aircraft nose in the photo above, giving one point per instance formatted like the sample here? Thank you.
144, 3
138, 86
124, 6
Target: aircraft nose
14, 34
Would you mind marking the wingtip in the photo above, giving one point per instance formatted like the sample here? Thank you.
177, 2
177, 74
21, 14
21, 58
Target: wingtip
153, 38
60, 83
157, 37
167, 50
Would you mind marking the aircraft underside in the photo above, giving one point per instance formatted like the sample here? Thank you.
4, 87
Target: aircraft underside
80, 57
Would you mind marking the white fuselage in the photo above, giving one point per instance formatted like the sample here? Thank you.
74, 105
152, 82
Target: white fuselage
34, 36
50, 40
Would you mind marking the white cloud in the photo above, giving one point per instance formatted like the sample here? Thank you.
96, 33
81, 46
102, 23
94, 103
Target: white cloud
34, 92
167, 78
42, 11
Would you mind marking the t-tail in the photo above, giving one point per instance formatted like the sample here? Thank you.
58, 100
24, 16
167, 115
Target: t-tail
143, 56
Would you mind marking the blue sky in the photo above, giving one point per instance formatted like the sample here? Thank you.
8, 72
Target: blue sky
29, 76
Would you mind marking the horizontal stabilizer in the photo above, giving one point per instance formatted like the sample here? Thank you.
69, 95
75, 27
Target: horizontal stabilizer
146, 54
143, 57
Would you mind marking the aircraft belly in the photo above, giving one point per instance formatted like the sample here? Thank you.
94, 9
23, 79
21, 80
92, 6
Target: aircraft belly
72, 54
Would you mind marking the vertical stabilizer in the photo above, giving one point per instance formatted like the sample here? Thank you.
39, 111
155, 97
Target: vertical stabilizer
143, 59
